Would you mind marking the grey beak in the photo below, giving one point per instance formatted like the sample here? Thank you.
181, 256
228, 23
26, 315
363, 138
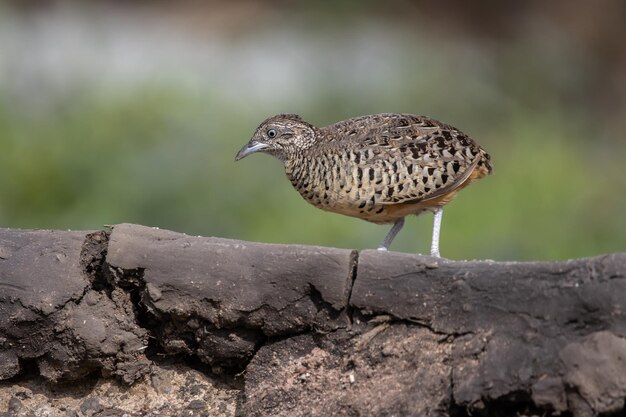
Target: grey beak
249, 149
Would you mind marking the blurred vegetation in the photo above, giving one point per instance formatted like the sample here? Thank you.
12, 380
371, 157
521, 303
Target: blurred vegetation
162, 155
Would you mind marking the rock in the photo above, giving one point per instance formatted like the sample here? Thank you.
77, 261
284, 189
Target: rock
595, 372
102, 324
230, 295
91, 406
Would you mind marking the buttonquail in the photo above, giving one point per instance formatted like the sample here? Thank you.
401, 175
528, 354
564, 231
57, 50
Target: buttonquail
379, 168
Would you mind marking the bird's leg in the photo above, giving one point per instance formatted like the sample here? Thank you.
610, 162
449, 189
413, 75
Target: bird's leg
434, 246
392, 234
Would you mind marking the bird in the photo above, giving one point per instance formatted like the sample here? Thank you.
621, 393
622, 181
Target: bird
379, 168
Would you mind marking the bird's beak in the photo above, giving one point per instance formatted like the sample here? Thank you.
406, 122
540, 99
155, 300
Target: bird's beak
250, 148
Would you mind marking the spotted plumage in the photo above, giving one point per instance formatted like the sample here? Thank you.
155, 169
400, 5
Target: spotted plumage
379, 168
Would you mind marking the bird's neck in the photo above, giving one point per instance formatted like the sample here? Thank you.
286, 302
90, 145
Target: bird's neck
303, 171
295, 160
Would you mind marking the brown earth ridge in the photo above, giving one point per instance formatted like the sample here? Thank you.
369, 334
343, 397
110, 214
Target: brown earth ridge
139, 321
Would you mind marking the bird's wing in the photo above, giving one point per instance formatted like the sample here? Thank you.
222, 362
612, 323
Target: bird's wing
433, 194
406, 158
382, 130
418, 167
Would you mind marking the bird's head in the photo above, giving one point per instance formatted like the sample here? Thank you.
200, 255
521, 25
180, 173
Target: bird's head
281, 136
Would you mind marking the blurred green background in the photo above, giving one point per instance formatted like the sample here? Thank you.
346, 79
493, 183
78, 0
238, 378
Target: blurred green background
117, 112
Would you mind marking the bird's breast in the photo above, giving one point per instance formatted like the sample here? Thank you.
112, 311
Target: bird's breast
344, 183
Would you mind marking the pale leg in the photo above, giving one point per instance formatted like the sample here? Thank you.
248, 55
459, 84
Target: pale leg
434, 246
392, 234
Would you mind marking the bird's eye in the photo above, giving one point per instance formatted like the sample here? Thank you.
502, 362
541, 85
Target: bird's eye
271, 133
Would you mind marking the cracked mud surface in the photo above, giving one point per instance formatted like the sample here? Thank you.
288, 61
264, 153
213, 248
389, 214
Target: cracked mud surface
99, 323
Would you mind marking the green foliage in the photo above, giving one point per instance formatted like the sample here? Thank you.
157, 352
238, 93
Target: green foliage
158, 157
162, 156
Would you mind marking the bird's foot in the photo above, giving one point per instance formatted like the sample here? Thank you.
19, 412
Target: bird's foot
382, 249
